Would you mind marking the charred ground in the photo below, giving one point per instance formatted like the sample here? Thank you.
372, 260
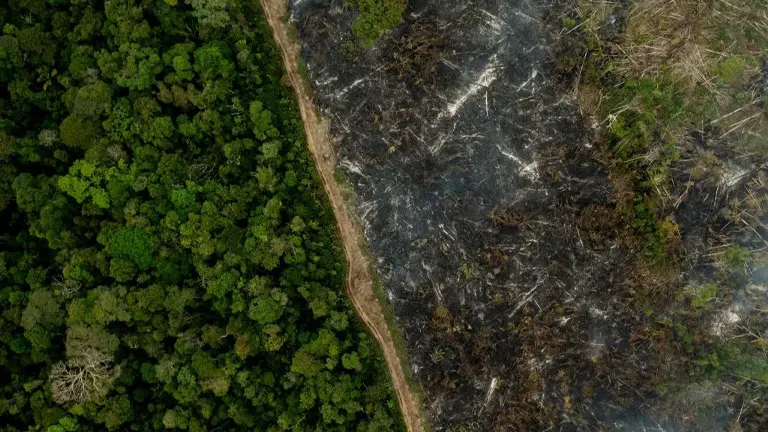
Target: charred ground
535, 285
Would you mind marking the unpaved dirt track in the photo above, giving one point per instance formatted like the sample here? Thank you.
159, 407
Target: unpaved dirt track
359, 282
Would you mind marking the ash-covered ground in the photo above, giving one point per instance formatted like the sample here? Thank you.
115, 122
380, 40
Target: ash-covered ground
488, 215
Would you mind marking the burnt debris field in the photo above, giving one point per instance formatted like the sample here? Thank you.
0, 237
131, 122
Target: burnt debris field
565, 203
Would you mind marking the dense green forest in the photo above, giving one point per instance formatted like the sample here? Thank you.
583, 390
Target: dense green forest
167, 257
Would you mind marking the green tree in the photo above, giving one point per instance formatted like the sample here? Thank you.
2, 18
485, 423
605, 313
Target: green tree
132, 244
175, 419
85, 339
305, 364
213, 61
210, 12
92, 100
78, 132
262, 121
40, 318
116, 411
10, 56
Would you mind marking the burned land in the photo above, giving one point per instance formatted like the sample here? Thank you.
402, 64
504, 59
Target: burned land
556, 254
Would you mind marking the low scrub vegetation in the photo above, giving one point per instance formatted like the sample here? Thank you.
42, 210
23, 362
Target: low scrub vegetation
676, 93
662, 80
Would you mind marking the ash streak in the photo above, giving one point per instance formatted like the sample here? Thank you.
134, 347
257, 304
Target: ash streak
366, 208
534, 73
491, 389
495, 22
488, 76
528, 17
528, 296
352, 167
344, 91
530, 171
327, 81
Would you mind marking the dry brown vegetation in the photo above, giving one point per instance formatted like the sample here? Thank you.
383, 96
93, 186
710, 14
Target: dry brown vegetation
676, 93
417, 52
709, 51
666, 84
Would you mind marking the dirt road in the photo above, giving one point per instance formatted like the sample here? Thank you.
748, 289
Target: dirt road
359, 282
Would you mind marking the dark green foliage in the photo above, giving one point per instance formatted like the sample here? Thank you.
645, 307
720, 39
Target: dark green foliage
646, 226
132, 244
735, 259
78, 132
211, 13
92, 100
212, 61
10, 55
740, 361
164, 232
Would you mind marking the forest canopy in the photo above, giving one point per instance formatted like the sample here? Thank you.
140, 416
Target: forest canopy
167, 257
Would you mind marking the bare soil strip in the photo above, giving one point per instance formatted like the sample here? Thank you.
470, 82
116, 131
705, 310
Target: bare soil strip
359, 281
